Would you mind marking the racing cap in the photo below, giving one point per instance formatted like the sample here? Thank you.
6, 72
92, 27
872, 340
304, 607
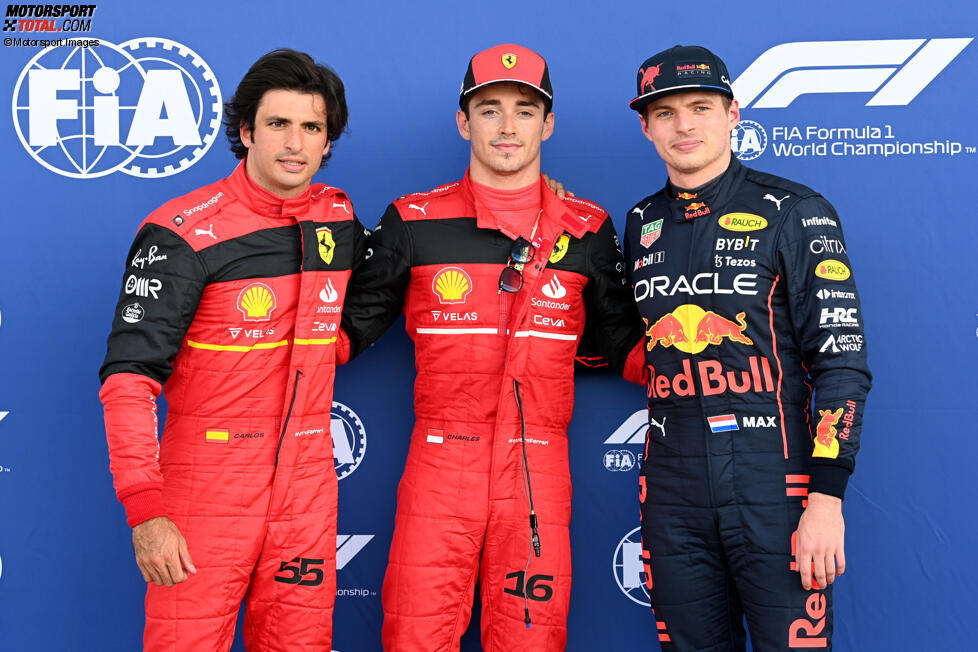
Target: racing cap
508, 63
676, 70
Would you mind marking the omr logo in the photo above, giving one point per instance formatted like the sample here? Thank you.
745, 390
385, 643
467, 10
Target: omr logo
349, 439
896, 71
347, 547
149, 107
629, 568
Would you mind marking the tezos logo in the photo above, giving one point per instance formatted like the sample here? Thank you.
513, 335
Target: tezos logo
349, 440
149, 107
629, 568
748, 140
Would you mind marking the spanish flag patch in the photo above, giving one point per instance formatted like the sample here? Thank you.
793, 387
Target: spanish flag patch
217, 435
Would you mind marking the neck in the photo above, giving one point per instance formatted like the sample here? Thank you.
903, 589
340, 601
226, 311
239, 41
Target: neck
699, 177
504, 180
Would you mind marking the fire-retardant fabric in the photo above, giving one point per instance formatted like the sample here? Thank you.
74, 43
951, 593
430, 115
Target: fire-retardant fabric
462, 510
231, 302
751, 308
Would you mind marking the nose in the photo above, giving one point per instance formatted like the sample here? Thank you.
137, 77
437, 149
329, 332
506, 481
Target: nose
293, 138
507, 125
683, 121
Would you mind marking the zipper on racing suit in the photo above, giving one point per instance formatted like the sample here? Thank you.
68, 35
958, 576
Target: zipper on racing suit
288, 415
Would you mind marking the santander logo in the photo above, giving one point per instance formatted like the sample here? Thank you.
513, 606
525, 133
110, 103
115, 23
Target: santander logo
328, 294
554, 289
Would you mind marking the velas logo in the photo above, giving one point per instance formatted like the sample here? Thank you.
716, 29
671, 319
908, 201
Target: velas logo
560, 248
650, 233
748, 140
895, 70
149, 107
256, 302
826, 444
691, 329
742, 222
631, 570
451, 285
349, 439
554, 289
832, 270
324, 238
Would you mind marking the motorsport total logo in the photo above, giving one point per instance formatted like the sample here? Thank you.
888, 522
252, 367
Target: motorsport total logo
148, 107
887, 72
48, 18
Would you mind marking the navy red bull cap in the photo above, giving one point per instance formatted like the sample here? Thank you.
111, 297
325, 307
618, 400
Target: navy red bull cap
508, 63
679, 69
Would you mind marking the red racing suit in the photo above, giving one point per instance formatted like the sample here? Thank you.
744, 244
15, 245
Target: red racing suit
231, 298
463, 507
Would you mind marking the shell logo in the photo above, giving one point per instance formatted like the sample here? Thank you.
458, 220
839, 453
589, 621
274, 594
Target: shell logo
742, 222
832, 270
451, 285
256, 302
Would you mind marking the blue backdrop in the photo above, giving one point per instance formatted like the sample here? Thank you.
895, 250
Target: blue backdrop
880, 118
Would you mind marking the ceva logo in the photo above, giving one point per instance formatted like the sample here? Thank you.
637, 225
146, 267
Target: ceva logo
896, 70
149, 107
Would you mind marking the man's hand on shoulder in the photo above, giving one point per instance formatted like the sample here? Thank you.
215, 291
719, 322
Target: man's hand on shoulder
161, 552
556, 187
821, 541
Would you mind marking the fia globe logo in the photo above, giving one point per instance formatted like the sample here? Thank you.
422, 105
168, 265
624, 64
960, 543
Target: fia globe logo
149, 107
349, 439
748, 140
629, 568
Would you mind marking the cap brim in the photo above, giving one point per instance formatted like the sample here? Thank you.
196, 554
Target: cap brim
640, 102
545, 94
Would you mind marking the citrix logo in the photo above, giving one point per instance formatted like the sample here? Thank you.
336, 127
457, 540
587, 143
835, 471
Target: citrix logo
896, 70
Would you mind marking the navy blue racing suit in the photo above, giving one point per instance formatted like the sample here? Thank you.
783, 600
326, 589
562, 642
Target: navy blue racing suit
757, 385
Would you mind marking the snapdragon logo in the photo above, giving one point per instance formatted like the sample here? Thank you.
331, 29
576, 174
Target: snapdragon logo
149, 107
895, 70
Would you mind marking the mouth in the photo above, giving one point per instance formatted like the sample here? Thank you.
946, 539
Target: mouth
686, 146
292, 164
506, 147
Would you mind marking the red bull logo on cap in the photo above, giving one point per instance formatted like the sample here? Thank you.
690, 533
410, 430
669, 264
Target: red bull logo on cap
691, 329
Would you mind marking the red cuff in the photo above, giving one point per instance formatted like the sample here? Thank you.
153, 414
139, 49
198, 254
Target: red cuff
635, 370
143, 503
342, 347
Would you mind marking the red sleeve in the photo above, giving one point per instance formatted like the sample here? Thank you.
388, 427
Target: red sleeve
635, 370
134, 448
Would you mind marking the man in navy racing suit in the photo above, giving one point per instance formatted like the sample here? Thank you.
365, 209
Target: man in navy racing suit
751, 310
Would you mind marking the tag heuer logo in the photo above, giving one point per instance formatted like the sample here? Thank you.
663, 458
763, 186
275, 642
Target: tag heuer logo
650, 233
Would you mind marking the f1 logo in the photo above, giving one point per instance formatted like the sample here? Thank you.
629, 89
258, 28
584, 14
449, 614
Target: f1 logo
897, 70
347, 547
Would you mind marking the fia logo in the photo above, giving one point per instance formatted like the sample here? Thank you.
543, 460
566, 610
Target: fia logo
629, 568
748, 140
149, 107
349, 440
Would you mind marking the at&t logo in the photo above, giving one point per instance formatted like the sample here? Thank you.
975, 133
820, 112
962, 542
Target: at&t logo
349, 439
629, 568
149, 107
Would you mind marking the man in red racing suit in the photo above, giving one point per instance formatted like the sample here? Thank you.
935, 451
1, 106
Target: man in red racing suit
486, 492
231, 299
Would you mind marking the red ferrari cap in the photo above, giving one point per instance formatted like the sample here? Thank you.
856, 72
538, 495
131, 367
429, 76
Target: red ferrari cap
508, 62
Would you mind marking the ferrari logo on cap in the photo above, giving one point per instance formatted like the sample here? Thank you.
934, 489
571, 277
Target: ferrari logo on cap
509, 60
327, 245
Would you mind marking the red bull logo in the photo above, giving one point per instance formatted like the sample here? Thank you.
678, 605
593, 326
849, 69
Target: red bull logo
696, 209
826, 444
707, 326
648, 76
714, 379
686, 195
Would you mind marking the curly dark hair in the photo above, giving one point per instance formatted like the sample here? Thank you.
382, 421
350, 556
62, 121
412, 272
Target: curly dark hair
286, 70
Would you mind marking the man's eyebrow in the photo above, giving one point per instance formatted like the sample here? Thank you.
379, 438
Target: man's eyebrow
492, 101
